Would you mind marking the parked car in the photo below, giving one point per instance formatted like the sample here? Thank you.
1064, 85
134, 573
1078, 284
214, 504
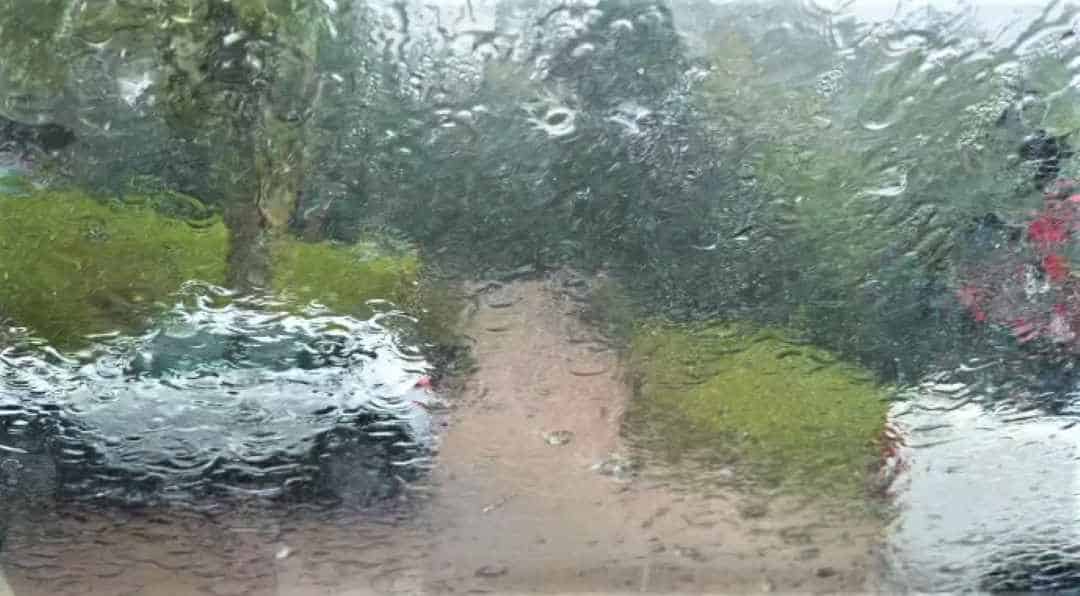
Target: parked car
219, 398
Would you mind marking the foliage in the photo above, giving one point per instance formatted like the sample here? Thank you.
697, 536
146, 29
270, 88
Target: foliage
877, 165
631, 51
344, 278
793, 414
73, 265
13, 183
744, 171
1052, 104
236, 78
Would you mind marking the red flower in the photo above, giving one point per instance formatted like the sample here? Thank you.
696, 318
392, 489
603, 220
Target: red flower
1055, 267
1024, 330
1048, 230
992, 295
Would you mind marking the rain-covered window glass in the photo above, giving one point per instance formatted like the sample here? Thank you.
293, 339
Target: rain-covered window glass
310, 297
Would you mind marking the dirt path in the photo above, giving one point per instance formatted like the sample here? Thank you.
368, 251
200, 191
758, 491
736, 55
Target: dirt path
240, 553
517, 505
523, 508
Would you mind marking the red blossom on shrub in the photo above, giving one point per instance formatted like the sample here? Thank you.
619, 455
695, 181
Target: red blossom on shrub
991, 294
1048, 230
1056, 268
1023, 329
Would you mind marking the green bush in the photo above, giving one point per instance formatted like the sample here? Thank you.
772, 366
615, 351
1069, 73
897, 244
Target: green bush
72, 265
345, 277
791, 414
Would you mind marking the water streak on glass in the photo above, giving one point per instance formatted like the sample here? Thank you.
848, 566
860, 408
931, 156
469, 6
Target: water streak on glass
508, 296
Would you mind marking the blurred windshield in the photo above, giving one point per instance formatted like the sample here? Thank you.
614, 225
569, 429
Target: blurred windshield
366, 296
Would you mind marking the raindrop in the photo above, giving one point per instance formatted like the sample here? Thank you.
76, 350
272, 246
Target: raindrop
557, 122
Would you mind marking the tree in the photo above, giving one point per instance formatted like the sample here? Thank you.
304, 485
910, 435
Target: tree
879, 161
237, 78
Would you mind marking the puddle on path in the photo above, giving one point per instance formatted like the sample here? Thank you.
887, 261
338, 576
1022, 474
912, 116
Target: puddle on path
516, 504
514, 512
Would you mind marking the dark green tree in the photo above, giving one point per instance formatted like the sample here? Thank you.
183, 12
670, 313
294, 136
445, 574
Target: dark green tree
237, 79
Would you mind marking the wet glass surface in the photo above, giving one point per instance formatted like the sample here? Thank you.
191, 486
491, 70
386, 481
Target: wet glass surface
238, 399
361, 296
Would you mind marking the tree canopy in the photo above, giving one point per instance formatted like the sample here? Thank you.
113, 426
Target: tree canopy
796, 168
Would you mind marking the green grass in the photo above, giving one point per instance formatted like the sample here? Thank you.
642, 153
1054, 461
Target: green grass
71, 265
13, 183
792, 415
345, 277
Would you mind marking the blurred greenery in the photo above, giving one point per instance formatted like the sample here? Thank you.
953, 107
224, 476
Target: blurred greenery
780, 201
345, 277
877, 165
793, 415
14, 184
770, 165
73, 265
236, 78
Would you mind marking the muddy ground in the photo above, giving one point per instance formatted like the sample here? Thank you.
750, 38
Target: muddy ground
532, 492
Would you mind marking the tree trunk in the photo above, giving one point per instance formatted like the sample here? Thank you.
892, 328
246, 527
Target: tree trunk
279, 157
249, 262
253, 119
259, 216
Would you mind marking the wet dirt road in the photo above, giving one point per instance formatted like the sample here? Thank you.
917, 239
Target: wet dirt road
530, 494
524, 506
